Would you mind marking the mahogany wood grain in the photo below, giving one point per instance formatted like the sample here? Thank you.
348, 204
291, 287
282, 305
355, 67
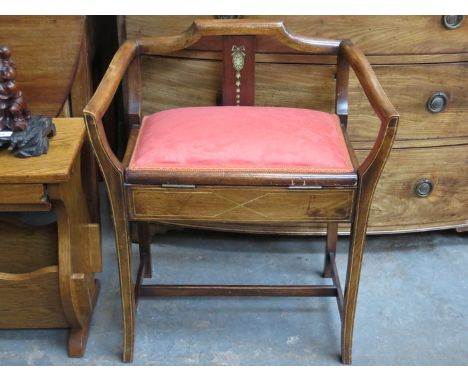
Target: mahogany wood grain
144, 244
203, 28
132, 137
330, 248
237, 204
133, 83
336, 282
297, 58
162, 290
308, 86
411, 98
202, 81
396, 204
246, 178
396, 207
375, 35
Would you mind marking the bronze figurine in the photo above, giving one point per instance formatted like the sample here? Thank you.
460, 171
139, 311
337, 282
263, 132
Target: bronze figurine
30, 134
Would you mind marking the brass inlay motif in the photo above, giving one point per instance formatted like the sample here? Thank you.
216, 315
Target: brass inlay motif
238, 59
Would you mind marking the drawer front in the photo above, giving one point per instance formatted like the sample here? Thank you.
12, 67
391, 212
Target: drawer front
376, 35
421, 188
23, 197
239, 204
432, 100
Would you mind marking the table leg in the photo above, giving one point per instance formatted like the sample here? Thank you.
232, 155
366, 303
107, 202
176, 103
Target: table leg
78, 257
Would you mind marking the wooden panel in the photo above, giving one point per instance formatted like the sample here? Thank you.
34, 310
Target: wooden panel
376, 35
396, 205
45, 50
384, 35
242, 204
313, 86
90, 251
31, 300
25, 248
409, 87
162, 79
51, 168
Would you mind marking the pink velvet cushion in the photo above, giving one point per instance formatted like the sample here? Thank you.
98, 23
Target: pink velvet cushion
233, 138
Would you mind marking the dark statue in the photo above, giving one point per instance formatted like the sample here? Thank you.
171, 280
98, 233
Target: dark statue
29, 134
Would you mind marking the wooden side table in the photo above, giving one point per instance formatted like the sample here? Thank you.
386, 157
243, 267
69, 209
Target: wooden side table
47, 272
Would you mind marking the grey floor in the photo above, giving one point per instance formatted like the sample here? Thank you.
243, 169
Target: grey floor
412, 306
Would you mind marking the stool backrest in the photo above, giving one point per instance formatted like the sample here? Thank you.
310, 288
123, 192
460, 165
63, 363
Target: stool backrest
236, 39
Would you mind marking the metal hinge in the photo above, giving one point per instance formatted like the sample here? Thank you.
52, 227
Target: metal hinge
305, 187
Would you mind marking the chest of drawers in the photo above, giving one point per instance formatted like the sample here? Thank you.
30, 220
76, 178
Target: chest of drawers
422, 63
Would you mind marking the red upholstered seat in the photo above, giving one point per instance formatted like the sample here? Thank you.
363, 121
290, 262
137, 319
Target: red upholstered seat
227, 140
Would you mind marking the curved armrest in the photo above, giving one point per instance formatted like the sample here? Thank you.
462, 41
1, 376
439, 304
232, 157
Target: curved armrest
99, 103
382, 106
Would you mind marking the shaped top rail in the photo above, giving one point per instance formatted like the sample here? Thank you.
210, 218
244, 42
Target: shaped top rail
202, 28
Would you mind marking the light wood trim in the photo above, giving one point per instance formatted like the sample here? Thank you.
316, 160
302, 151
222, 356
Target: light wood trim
416, 143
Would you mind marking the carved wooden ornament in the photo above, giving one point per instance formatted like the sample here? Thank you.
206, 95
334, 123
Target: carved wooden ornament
23, 134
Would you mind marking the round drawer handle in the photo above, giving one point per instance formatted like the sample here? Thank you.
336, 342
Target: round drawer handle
452, 22
424, 188
437, 102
